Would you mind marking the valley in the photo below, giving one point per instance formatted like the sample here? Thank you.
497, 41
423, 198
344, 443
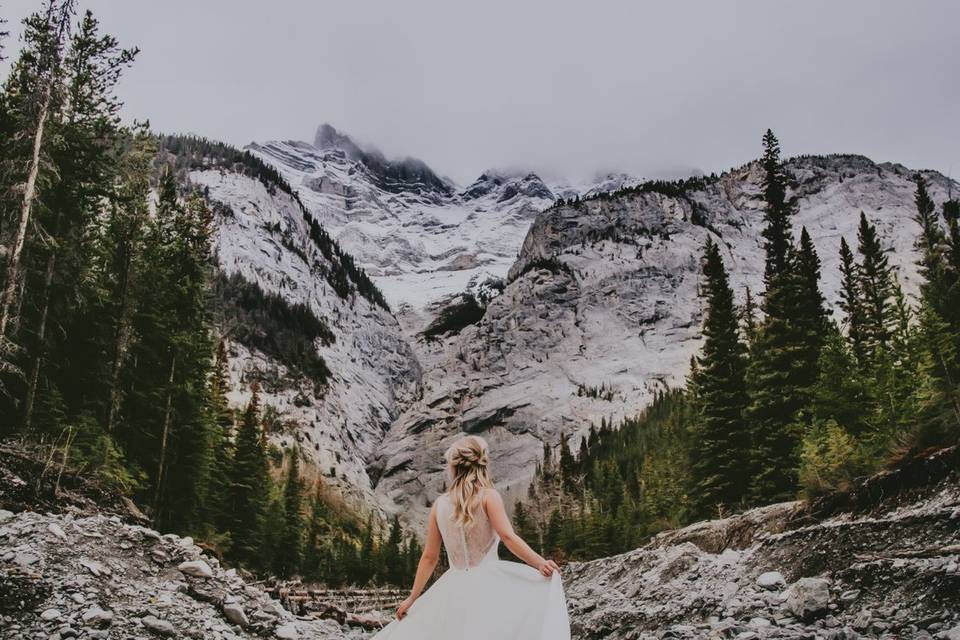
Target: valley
603, 293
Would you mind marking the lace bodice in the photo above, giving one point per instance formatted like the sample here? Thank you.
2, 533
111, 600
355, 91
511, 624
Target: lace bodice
466, 548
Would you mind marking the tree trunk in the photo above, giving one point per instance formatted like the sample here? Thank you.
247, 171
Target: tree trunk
41, 336
165, 437
9, 295
29, 193
121, 340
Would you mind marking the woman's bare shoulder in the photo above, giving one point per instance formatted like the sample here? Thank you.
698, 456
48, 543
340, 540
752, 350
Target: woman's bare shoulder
491, 495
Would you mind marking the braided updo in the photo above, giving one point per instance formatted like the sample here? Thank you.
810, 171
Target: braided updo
469, 459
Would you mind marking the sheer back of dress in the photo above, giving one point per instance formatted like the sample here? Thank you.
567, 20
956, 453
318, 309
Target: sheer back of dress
469, 547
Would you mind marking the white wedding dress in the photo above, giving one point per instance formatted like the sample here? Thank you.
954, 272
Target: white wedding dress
482, 597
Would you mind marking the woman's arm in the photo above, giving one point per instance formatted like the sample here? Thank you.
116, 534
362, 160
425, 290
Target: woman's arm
493, 503
428, 562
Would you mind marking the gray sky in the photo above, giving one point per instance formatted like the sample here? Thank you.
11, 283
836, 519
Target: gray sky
569, 87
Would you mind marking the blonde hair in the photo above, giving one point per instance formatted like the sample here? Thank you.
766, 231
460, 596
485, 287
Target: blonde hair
469, 459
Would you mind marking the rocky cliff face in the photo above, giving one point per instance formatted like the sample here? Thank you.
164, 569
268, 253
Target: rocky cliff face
605, 293
602, 294
880, 562
421, 236
418, 234
263, 235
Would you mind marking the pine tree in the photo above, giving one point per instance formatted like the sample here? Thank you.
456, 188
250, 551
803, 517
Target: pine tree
778, 240
270, 555
931, 244
779, 374
850, 300
175, 356
365, 566
876, 290
719, 476
938, 394
895, 375
810, 315
393, 560
897, 381
749, 318
568, 465
36, 93
221, 439
953, 227
289, 553
121, 239
249, 482
412, 553
316, 559
841, 393
60, 295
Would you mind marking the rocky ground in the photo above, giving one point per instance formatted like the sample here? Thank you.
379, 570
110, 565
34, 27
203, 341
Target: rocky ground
77, 563
879, 561
882, 561
73, 576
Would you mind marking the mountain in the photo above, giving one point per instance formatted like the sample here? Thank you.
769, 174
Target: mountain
301, 320
604, 293
407, 175
421, 237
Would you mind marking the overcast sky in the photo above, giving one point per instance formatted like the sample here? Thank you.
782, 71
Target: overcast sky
569, 87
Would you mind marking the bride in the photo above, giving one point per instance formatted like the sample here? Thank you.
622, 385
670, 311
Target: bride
480, 597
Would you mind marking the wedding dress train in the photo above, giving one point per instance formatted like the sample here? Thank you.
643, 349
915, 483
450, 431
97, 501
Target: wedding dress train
482, 597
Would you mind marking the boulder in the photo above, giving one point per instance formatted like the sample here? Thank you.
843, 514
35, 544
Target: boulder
55, 529
158, 626
196, 568
235, 614
952, 634
287, 631
771, 580
808, 598
94, 567
50, 614
97, 617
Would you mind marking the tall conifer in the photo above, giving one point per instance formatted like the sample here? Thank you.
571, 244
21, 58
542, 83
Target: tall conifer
720, 440
249, 482
851, 300
289, 554
777, 378
876, 289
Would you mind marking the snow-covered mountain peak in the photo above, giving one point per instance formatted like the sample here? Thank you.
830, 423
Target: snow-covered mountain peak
328, 137
392, 175
602, 293
420, 237
505, 184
